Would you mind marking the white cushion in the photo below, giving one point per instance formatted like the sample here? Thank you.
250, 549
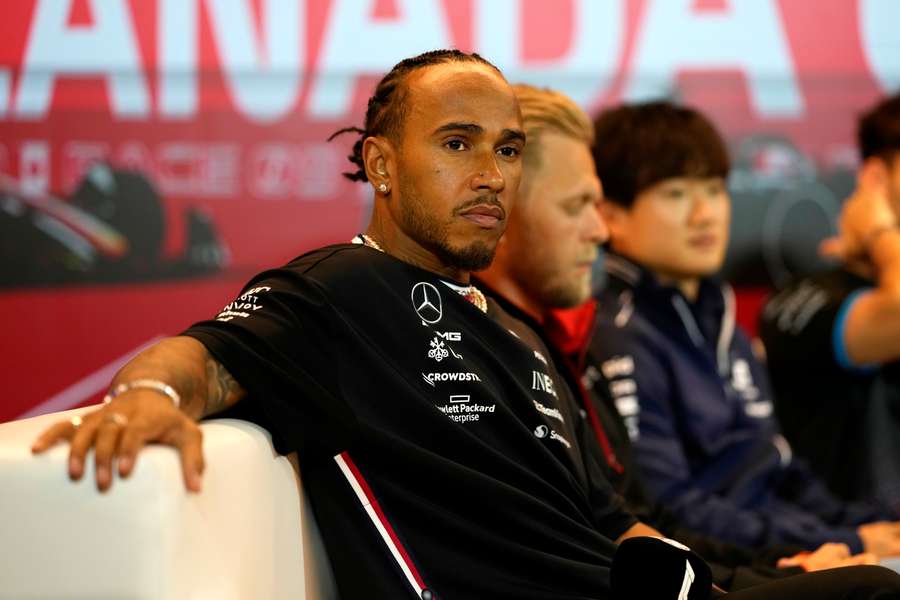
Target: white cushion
249, 534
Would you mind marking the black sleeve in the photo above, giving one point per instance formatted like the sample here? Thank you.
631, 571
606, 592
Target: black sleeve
747, 577
278, 340
715, 550
803, 324
611, 516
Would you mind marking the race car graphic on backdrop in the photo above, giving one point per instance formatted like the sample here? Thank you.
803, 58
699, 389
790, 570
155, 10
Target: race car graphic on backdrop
156, 153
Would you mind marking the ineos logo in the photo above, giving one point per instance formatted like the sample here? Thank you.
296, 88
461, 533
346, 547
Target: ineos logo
426, 299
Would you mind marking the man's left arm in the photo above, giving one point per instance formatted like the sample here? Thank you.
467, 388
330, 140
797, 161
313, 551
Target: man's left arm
871, 332
870, 238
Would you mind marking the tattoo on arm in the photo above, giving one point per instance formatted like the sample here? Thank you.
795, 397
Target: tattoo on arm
222, 389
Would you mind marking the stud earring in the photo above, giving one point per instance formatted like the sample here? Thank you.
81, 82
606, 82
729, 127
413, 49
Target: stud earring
383, 188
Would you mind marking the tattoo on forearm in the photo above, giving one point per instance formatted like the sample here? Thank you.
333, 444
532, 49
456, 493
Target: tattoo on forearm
223, 389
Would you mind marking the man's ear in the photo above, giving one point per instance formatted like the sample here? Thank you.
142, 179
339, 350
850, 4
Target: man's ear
378, 160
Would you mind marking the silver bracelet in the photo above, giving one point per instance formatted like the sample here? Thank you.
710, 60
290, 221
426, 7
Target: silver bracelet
146, 384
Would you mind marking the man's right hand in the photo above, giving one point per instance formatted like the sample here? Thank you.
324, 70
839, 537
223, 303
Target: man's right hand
866, 212
138, 415
118, 430
881, 538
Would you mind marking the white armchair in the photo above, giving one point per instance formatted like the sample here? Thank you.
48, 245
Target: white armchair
249, 534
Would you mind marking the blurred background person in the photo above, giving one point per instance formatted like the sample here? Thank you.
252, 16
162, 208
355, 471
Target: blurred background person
833, 339
542, 275
695, 399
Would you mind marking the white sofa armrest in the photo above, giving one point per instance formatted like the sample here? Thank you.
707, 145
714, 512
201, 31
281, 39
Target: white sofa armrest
249, 534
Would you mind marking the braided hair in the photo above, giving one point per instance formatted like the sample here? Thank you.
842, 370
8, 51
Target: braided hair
386, 108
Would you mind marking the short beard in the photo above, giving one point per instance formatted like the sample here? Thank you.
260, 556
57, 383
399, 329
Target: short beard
431, 234
474, 257
566, 296
548, 287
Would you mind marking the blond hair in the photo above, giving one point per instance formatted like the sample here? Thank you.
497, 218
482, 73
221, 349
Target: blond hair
543, 110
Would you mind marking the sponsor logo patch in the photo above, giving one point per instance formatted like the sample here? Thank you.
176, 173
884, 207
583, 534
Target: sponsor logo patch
618, 366
426, 300
450, 336
542, 431
433, 378
244, 306
438, 350
461, 409
542, 382
550, 412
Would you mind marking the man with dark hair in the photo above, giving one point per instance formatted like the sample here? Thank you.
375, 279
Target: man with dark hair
833, 339
407, 395
694, 398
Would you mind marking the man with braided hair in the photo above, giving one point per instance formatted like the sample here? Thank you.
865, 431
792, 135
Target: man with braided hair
409, 398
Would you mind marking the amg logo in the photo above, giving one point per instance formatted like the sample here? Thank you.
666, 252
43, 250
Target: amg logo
432, 378
450, 336
541, 381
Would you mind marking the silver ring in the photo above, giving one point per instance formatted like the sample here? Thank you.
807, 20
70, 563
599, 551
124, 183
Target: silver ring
117, 418
76, 421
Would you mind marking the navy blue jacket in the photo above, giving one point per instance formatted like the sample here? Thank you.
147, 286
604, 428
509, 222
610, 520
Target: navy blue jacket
698, 407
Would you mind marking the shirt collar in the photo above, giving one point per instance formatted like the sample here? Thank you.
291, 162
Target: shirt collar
708, 320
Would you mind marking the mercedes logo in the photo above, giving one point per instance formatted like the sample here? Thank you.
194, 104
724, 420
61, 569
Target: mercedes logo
427, 301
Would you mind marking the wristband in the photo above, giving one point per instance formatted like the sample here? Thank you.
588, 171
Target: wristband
145, 384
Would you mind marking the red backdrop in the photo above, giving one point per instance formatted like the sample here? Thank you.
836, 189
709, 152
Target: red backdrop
225, 106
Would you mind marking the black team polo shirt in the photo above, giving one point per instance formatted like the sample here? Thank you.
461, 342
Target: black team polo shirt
443, 453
